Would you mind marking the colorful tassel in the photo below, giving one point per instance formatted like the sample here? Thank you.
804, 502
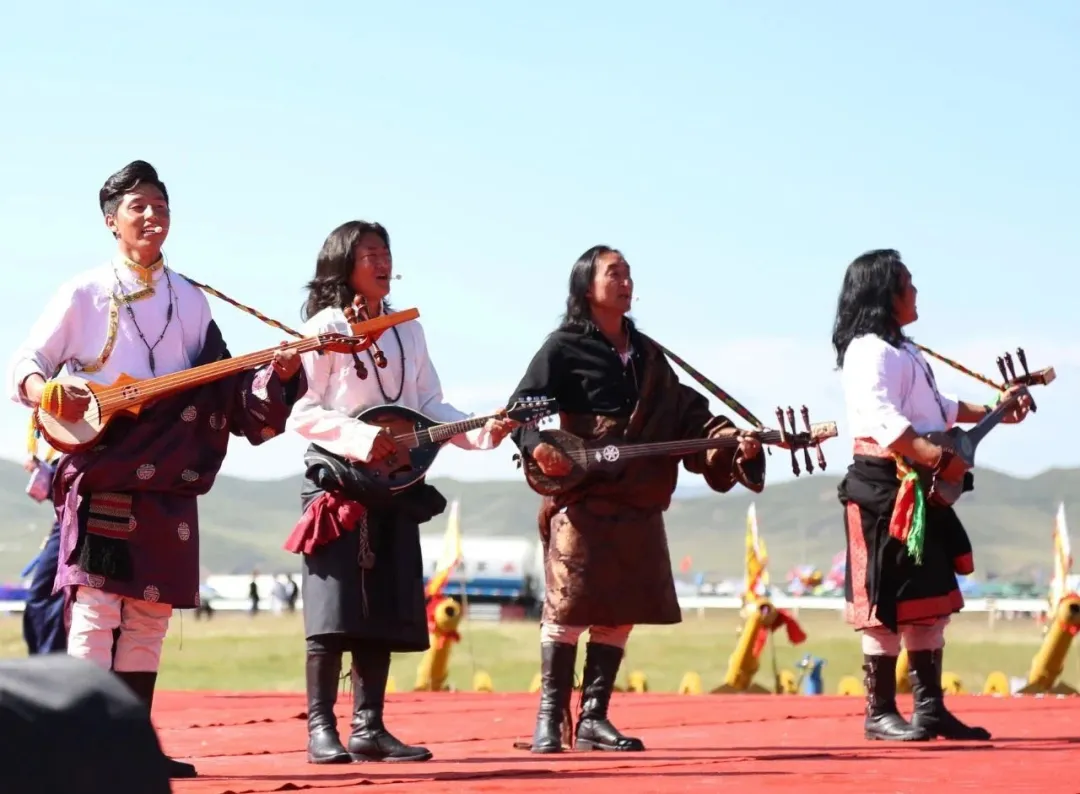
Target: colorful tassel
908, 521
917, 535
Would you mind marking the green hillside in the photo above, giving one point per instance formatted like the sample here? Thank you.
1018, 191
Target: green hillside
245, 522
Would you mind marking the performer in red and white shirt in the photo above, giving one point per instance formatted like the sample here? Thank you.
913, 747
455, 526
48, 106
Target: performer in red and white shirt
902, 555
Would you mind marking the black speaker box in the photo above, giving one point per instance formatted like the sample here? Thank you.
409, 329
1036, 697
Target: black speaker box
67, 726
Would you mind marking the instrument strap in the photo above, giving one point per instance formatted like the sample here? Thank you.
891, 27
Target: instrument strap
253, 312
713, 389
961, 368
931, 381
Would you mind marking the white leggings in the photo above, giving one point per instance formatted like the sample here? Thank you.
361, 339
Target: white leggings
879, 641
602, 635
95, 614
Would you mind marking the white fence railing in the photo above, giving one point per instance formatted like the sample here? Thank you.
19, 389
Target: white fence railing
698, 603
837, 604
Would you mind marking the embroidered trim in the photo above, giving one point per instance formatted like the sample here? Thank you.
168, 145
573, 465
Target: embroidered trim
110, 515
115, 301
110, 339
145, 274
138, 295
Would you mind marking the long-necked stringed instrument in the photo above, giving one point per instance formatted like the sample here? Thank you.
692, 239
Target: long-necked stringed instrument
1043, 377
963, 443
419, 438
127, 395
603, 456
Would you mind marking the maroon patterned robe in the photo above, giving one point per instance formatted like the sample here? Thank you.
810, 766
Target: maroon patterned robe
129, 522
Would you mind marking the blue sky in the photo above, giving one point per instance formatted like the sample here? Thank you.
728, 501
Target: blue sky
740, 154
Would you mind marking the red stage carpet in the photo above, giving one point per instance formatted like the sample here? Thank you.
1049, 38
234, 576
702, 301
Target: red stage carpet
255, 742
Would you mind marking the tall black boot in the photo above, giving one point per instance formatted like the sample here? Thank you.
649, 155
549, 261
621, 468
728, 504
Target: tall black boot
143, 685
930, 712
323, 672
883, 720
594, 729
556, 687
370, 741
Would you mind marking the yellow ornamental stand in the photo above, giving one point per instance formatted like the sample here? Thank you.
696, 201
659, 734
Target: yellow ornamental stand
952, 685
635, 682
851, 686
1049, 662
997, 683
432, 674
690, 684
762, 619
787, 683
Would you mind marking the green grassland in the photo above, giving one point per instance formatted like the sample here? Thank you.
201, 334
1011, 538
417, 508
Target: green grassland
238, 652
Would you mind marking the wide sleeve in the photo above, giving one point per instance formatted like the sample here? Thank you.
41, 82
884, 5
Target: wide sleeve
432, 403
48, 345
873, 379
722, 468
263, 402
542, 379
313, 416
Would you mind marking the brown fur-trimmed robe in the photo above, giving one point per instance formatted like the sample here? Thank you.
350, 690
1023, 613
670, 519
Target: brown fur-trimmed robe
606, 554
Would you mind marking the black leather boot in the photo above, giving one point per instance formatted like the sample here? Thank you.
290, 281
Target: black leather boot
370, 741
323, 672
556, 686
883, 720
594, 729
930, 712
143, 685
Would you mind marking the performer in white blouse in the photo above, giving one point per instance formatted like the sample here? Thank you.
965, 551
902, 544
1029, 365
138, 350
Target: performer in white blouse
363, 585
902, 561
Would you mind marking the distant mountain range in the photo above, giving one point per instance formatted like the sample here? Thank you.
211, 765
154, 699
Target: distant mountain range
244, 522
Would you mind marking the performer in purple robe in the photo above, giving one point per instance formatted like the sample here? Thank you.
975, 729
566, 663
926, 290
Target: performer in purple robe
129, 530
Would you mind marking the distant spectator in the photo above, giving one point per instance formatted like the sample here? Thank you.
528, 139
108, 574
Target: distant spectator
253, 594
278, 595
294, 593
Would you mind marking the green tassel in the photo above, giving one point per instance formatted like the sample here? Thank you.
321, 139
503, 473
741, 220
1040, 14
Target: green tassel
917, 533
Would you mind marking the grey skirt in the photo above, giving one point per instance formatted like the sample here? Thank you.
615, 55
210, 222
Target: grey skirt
383, 604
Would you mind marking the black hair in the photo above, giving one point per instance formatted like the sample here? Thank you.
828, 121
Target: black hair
867, 300
332, 285
135, 173
578, 315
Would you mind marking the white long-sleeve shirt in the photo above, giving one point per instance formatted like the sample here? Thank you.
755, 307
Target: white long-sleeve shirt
888, 389
335, 394
74, 330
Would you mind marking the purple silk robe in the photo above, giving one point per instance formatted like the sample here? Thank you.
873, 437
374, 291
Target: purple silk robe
139, 486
